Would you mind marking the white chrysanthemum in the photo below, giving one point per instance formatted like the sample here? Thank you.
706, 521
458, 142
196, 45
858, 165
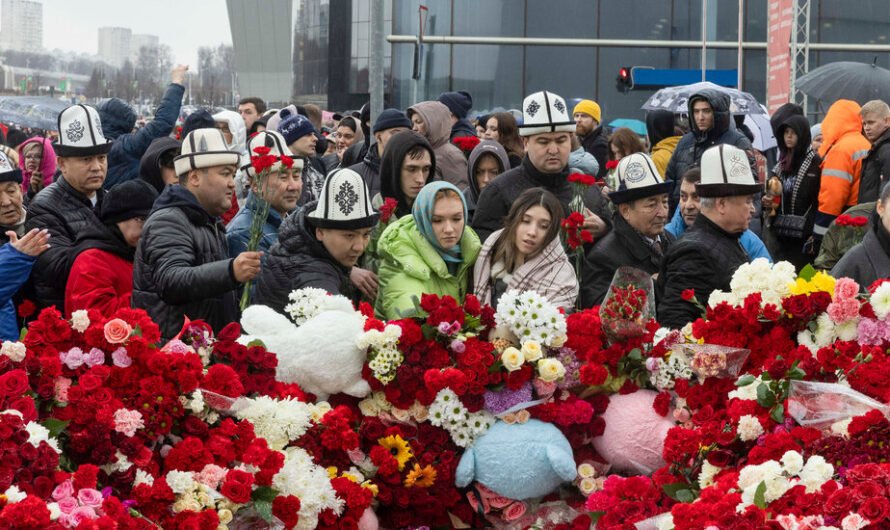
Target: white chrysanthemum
880, 301
196, 403
815, 473
749, 428
80, 320
531, 318
181, 482
792, 462
14, 350
278, 421
305, 303
310, 483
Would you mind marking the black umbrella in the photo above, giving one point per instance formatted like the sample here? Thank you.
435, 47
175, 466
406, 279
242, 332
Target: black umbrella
860, 82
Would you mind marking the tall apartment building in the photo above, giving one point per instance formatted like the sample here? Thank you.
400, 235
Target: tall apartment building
139, 41
21, 25
114, 45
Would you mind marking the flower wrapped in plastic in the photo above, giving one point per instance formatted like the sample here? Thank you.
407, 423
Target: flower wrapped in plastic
712, 360
629, 304
823, 405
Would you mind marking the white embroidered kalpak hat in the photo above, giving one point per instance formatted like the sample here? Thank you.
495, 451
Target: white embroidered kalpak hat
80, 133
545, 112
725, 172
277, 146
638, 178
344, 203
204, 148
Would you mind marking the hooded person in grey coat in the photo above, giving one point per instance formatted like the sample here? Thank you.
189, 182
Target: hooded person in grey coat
487, 157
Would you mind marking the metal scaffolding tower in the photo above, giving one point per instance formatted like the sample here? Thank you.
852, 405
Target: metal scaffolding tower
800, 49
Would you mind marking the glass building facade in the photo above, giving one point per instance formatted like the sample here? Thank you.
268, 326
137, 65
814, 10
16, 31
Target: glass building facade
501, 75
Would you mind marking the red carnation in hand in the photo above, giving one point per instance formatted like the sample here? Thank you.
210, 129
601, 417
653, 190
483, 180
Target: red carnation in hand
27, 308
582, 179
387, 209
688, 294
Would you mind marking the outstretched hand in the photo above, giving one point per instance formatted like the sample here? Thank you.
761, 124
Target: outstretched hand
33, 244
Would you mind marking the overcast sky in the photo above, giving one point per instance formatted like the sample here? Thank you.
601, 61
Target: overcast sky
184, 25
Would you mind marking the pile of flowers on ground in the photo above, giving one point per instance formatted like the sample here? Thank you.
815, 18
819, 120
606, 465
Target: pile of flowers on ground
771, 410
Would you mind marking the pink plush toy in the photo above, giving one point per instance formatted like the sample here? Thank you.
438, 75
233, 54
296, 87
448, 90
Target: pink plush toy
634, 436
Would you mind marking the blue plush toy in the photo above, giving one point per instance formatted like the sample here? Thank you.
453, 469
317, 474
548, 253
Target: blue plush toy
519, 461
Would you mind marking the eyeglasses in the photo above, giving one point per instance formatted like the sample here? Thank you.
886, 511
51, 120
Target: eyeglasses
33, 157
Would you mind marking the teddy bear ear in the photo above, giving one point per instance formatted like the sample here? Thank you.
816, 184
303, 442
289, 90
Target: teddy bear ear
563, 463
263, 321
466, 469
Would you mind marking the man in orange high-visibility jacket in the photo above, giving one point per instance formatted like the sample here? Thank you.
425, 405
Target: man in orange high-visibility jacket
842, 151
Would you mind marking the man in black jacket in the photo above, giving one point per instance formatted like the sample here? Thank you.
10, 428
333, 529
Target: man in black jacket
319, 246
388, 124
546, 130
876, 166
459, 103
69, 205
638, 239
594, 137
708, 254
182, 268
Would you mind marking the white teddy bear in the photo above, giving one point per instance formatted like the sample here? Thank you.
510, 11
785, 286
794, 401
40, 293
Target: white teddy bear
321, 355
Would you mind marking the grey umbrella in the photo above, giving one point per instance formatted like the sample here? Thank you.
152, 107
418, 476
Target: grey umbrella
860, 82
676, 99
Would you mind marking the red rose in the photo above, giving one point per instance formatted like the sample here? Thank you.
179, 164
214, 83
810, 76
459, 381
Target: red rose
875, 509
14, 383
287, 509
237, 486
840, 503
231, 332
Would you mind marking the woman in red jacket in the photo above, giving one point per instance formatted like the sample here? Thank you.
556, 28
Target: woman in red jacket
101, 277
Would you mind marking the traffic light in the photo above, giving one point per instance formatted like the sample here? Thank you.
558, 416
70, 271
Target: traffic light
625, 81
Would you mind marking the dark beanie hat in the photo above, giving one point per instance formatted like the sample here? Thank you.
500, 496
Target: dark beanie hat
294, 126
129, 199
200, 119
390, 119
459, 103
9, 172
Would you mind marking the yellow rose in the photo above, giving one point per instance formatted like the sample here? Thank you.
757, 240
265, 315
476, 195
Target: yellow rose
512, 359
400, 414
532, 351
368, 407
587, 486
559, 342
549, 370
586, 470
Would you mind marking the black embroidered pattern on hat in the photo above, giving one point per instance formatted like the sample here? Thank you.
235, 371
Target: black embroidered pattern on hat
532, 108
346, 198
559, 106
75, 131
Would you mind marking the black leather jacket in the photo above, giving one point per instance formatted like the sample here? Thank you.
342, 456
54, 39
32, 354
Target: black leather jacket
65, 212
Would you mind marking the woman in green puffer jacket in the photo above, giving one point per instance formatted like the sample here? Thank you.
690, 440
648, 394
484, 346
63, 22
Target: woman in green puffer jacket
431, 251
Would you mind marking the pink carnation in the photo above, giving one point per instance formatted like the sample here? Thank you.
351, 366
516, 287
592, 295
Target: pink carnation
176, 346
211, 476
72, 358
845, 289
869, 332
94, 358
120, 358
843, 310
127, 421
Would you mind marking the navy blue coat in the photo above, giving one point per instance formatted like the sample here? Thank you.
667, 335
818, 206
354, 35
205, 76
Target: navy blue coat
16, 268
118, 120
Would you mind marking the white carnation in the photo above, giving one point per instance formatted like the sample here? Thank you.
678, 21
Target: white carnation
13, 495
792, 462
880, 301
749, 428
181, 482
38, 433
14, 350
143, 478
815, 473
80, 320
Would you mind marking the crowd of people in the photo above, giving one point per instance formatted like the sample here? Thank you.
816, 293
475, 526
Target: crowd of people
427, 200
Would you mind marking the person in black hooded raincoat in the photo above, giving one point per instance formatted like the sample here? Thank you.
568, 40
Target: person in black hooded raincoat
704, 132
